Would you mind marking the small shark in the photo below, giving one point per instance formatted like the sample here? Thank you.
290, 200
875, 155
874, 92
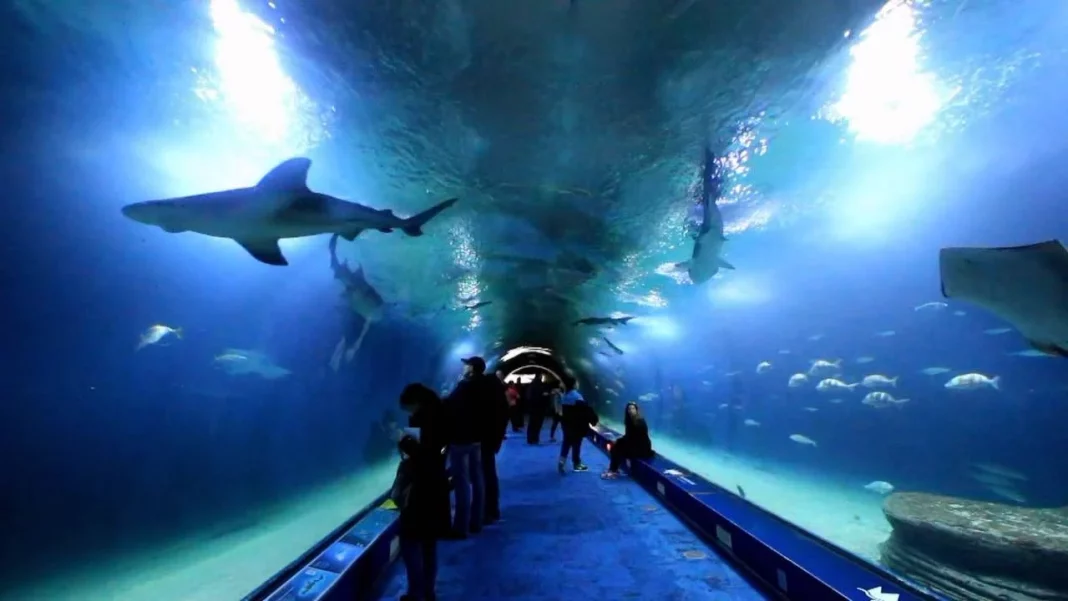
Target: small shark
603, 321
361, 298
238, 362
279, 206
708, 241
1024, 285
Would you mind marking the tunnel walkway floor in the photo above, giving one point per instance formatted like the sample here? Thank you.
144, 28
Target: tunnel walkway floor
577, 536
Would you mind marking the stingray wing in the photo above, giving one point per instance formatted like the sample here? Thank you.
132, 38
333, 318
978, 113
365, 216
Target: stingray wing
1024, 285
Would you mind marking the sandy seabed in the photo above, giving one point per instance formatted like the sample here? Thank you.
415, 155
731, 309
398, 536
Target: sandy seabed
229, 567
224, 568
841, 513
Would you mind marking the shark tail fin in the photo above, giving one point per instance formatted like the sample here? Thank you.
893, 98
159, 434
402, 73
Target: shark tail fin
413, 226
178, 333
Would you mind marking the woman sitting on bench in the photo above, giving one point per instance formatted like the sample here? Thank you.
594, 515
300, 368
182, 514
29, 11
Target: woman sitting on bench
634, 444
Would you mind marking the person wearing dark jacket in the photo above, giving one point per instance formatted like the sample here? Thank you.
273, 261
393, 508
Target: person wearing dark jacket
576, 417
466, 408
556, 395
537, 399
424, 492
514, 407
494, 429
634, 444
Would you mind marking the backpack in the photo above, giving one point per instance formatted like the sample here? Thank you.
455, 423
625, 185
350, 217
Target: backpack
401, 491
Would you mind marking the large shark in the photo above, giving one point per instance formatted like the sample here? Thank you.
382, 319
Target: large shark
279, 206
1026, 286
708, 241
360, 297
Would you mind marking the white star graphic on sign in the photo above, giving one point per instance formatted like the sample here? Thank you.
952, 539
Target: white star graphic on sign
877, 594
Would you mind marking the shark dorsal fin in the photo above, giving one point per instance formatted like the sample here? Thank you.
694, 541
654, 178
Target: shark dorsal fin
288, 175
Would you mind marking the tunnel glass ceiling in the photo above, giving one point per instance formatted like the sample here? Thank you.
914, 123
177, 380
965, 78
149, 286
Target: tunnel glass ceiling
572, 133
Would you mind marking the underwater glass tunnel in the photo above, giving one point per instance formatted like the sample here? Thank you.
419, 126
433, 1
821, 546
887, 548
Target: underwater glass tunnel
818, 243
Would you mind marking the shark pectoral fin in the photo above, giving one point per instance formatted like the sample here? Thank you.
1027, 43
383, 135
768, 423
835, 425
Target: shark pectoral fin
265, 251
682, 266
725, 264
289, 175
350, 235
1049, 348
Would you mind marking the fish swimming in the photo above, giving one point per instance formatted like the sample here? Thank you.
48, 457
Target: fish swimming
603, 321
934, 306
1026, 286
879, 400
237, 362
822, 366
477, 305
155, 334
880, 486
833, 385
279, 206
706, 260
360, 297
973, 382
878, 380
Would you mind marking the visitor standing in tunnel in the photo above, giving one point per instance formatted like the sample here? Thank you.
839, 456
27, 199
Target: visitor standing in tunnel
556, 395
634, 444
537, 403
465, 410
422, 494
494, 426
576, 417
515, 408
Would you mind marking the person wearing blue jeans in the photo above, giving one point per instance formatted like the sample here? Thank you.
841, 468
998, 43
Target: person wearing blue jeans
576, 417
465, 464
465, 407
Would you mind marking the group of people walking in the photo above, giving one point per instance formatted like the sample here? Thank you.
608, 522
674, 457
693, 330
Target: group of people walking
450, 446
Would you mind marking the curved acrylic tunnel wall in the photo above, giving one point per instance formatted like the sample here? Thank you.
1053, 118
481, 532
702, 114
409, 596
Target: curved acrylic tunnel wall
198, 465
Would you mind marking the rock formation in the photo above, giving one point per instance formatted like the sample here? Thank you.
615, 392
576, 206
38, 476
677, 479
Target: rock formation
974, 550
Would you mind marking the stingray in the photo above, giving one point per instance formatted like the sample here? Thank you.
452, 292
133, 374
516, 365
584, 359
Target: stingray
1026, 286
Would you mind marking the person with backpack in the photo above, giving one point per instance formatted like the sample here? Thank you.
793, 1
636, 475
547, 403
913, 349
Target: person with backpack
576, 417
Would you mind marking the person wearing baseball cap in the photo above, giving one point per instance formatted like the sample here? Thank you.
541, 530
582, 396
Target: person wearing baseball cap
491, 419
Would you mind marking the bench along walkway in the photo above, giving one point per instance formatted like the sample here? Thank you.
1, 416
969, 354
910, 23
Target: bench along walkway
577, 536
